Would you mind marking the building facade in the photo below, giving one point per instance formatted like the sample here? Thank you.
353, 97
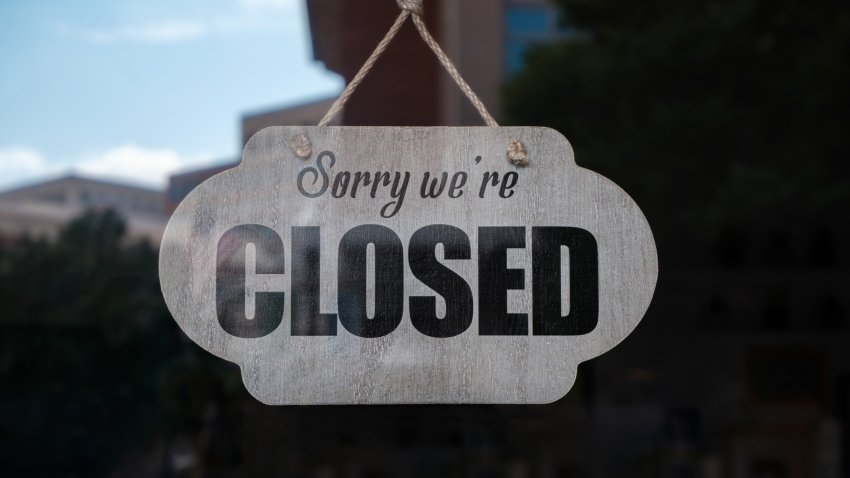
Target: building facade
486, 39
43, 209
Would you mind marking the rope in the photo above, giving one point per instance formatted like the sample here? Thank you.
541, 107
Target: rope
412, 6
450, 67
364, 70
409, 8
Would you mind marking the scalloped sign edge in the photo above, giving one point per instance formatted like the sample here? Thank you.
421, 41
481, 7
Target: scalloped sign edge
239, 241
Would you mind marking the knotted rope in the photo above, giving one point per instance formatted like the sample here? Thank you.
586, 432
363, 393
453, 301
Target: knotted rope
409, 8
412, 6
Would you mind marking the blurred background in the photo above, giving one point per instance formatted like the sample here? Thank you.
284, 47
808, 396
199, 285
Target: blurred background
727, 121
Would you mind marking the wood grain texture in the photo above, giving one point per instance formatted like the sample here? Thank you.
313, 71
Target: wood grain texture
407, 366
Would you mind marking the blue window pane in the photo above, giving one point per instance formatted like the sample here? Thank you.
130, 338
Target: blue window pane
522, 20
515, 56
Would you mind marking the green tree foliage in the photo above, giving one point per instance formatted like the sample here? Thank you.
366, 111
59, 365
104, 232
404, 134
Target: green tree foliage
91, 364
708, 111
90, 276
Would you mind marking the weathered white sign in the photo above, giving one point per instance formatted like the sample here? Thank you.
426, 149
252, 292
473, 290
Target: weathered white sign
342, 265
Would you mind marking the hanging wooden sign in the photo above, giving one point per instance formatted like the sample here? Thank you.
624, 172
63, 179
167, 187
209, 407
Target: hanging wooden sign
343, 265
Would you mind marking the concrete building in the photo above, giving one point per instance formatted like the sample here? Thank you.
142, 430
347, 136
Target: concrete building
305, 114
486, 39
43, 209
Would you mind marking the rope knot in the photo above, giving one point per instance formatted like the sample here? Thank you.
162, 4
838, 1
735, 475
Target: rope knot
412, 6
413, 10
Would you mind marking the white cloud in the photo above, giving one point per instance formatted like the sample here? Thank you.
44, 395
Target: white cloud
136, 164
269, 4
19, 164
168, 31
128, 163
20, 159
250, 15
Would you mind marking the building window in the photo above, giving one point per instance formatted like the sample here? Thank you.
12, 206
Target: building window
528, 20
527, 26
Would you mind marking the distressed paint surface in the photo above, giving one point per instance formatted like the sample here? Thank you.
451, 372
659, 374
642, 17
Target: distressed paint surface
407, 366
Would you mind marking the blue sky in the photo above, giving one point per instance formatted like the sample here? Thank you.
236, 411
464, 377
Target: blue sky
136, 89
